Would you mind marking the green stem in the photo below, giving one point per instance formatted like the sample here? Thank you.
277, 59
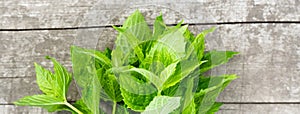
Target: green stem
159, 93
73, 108
114, 107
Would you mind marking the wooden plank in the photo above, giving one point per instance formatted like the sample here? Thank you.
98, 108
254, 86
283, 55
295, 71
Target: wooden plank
225, 109
11, 109
268, 65
16, 88
259, 109
16, 14
19, 50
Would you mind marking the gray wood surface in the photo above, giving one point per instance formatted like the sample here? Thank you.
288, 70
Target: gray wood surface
226, 109
11, 109
259, 109
267, 37
26, 14
261, 65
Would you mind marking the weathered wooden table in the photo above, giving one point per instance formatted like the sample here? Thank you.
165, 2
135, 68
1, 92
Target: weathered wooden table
266, 32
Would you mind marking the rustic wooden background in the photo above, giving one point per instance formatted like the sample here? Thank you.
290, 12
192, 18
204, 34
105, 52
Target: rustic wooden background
266, 32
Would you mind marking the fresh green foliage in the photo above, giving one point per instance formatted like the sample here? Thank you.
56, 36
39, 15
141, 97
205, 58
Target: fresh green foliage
86, 77
162, 105
54, 86
150, 72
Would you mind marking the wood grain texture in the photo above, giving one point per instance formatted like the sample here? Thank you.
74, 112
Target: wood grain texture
16, 88
225, 109
28, 14
268, 66
19, 50
11, 109
259, 109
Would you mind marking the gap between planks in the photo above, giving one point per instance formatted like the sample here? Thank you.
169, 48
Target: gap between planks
190, 24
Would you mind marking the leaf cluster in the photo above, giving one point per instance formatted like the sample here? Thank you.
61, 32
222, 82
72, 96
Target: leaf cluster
150, 71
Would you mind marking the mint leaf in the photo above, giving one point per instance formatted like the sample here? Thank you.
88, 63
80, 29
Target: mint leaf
159, 58
51, 103
62, 79
101, 57
156, 80
86, 78
159, 27
148, 75
136, 93
174, 40
82, 107
208, 90
186, 90
110, 85
162, 105
117, 57
130, 44
154, 65
196, 49
216, 58
197, 46
167, 49
134, 30
184, 69
44, 79
190, 108
40, 100
189, 36
54, 86
137, 25
216, 106
168, 72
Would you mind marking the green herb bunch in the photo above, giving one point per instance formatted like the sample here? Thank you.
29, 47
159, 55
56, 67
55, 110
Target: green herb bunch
159, 71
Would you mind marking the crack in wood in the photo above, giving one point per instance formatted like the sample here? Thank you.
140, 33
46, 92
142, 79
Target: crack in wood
190, 24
